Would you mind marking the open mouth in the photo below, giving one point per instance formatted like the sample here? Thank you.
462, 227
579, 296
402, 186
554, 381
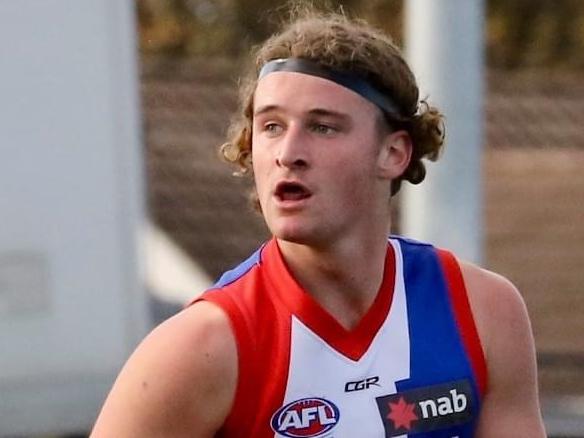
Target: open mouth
291, 191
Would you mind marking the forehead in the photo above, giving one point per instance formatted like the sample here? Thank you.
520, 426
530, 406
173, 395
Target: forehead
302, 92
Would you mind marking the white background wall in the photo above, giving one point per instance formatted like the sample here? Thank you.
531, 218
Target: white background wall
72, 303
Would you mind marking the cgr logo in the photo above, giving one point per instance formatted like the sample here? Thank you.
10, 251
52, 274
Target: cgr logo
426, 409
307, 417
360, 385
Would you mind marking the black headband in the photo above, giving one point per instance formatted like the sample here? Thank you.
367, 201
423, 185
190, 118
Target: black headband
347, 80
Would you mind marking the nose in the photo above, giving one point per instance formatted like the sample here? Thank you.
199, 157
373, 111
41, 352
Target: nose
292, 152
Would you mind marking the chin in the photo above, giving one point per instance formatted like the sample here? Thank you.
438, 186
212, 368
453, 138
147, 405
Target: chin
295, 233
306, 237
292, 236
302, 229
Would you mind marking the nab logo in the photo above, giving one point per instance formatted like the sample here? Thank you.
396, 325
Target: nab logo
426, 409
443, 405
308, 417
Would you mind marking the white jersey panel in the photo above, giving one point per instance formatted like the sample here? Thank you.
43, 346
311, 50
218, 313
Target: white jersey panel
317, 370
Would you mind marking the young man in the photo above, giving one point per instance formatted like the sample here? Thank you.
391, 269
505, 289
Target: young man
330, 329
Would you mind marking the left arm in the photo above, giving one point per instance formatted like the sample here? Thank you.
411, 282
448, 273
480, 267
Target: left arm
511, 405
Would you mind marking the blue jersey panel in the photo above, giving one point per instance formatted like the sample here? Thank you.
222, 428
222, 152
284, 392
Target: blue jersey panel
437, 354
239, 271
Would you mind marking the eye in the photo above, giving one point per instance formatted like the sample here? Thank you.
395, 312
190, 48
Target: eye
323, 129
272, 128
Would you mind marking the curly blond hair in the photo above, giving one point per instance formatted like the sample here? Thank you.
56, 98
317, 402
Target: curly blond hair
348, 45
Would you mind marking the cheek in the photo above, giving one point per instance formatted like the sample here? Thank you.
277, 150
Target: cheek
260, 151
355, 181
260, 168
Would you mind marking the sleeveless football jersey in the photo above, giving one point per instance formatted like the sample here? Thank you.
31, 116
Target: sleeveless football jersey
413, 366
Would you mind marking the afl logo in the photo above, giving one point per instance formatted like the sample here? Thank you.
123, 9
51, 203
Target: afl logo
307, 417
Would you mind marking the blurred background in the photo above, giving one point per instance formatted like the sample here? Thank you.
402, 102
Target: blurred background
194, 217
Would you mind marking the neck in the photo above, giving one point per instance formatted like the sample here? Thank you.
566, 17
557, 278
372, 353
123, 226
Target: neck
343, 277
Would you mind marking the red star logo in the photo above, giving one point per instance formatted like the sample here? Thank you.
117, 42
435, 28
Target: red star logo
402, 414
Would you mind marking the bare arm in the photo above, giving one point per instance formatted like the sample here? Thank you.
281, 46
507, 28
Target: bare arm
179, 382
511, 405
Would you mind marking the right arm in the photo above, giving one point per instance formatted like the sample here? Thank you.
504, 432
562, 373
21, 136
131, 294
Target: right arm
180, 381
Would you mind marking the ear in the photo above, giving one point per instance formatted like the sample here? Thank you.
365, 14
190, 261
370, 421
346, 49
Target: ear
394, 155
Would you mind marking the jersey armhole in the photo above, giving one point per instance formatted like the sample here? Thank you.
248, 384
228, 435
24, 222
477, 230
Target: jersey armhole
241, 331
464, 318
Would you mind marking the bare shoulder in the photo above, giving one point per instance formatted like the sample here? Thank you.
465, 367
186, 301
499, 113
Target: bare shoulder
511, 404
497, 305
500, 315
180, 381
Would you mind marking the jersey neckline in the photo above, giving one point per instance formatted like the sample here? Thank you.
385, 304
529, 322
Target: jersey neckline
352, 343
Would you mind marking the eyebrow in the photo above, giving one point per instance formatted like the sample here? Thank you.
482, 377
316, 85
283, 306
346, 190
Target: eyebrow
314, 112
265, 109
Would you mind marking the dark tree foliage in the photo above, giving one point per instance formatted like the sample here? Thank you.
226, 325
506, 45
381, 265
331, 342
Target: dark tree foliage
231, 27
519, 33
535, 33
